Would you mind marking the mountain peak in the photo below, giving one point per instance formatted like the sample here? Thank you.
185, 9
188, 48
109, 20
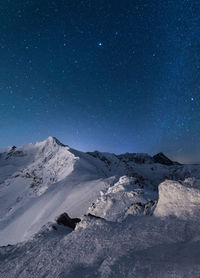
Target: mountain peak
54, 140
162, 159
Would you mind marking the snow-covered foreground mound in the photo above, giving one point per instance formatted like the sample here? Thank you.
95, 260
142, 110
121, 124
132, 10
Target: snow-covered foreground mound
141, 247
139, 214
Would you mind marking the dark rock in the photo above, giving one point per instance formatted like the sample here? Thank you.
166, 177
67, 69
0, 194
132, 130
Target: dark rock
139, 158
32, 185
100, 156
18, 154
65, 220
139, 204
27, 175
55, 140
162, 159
149, 207
12, 149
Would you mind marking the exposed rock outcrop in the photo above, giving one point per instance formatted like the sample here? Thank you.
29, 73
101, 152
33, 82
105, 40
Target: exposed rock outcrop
163, 159
65, 220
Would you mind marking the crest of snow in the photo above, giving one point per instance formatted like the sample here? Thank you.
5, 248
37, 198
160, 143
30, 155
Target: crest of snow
127, 196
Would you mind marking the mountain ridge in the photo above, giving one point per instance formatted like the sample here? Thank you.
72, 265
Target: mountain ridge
51, 140
118, 212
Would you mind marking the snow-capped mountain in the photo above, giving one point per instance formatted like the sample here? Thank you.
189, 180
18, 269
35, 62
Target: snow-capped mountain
134, 215
40, 181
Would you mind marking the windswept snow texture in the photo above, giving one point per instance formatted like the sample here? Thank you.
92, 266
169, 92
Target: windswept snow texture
139, 214
39, 182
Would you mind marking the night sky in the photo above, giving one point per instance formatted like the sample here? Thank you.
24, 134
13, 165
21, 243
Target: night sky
117, 76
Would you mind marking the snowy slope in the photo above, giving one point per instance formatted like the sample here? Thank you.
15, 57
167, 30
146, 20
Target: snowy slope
139, 214
141, 247
40, 181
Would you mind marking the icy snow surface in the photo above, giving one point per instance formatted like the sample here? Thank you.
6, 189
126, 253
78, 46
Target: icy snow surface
139, 218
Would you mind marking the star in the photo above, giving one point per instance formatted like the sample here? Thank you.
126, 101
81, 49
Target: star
100, 44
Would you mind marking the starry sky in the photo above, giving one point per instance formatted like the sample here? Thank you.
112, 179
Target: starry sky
117, 76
